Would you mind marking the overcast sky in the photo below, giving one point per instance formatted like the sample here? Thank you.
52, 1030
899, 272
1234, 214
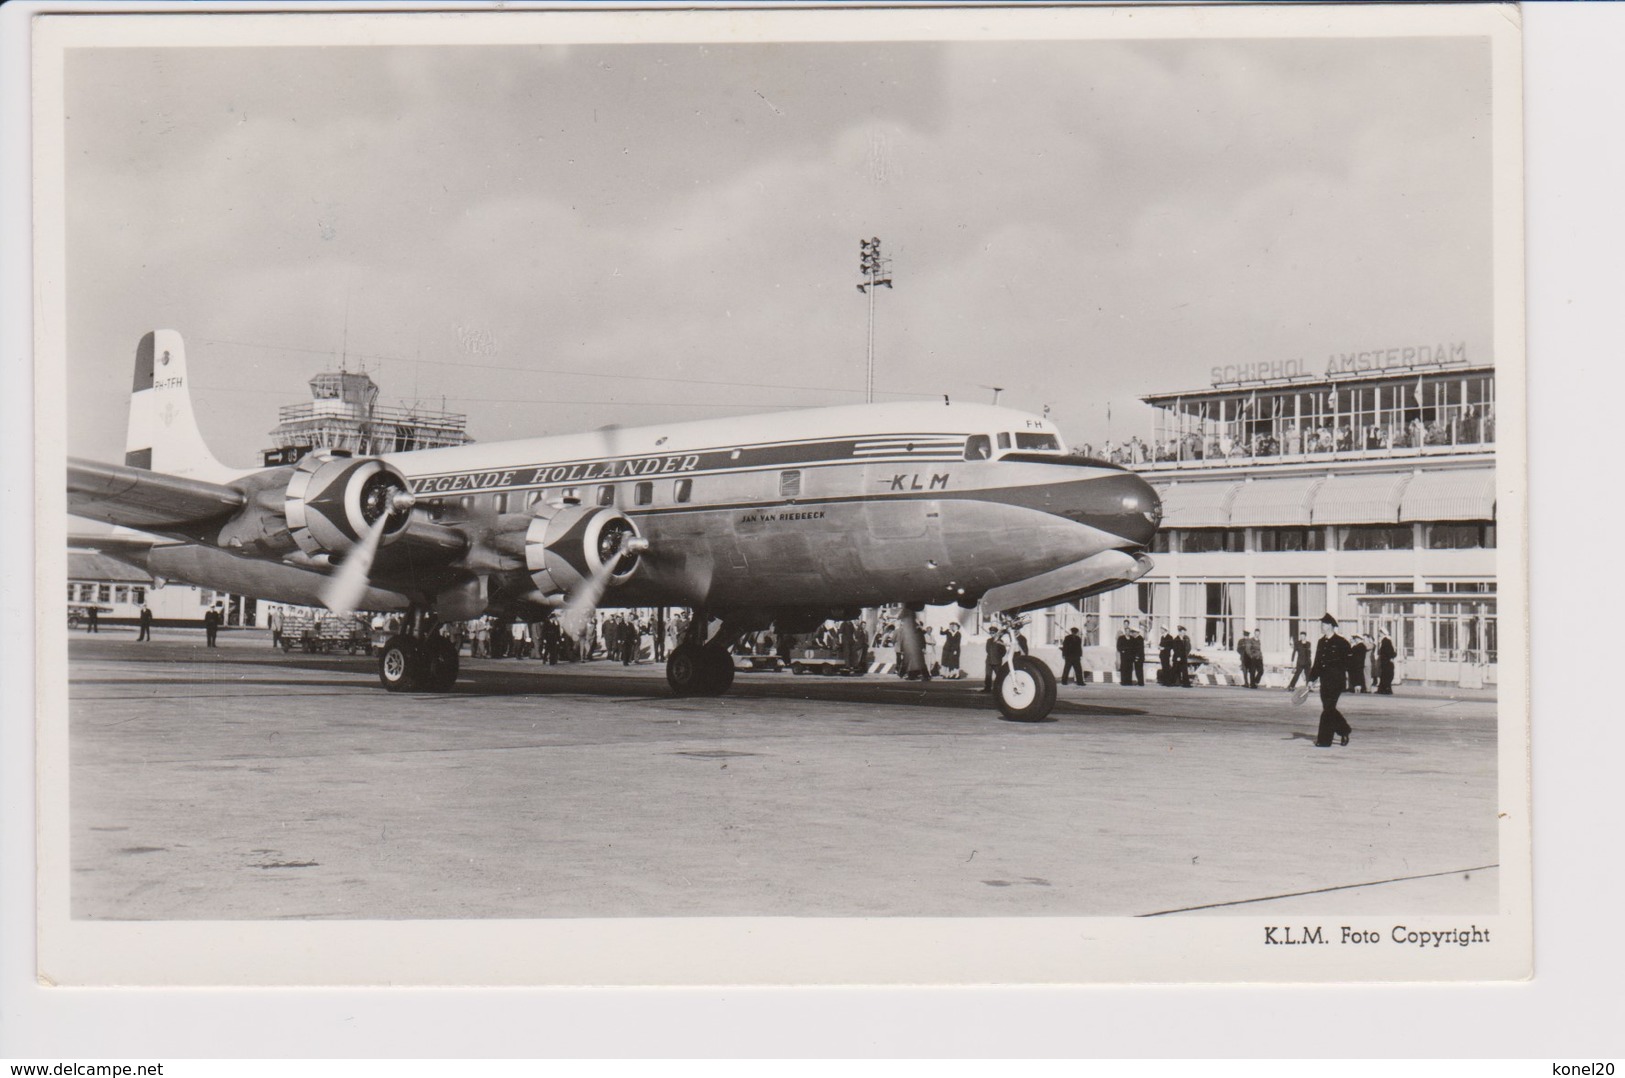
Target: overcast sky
505, 226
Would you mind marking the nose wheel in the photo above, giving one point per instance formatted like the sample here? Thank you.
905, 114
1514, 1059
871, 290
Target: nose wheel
1025, 690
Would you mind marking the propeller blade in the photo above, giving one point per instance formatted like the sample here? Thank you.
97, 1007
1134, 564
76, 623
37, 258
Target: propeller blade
345, 587
584, 602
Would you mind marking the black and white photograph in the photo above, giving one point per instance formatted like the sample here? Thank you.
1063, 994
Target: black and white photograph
823, 497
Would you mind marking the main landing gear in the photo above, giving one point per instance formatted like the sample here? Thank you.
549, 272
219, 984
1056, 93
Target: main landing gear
699, 670
701, 667
419, 660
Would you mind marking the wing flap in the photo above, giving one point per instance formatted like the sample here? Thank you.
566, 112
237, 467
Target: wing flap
137, 498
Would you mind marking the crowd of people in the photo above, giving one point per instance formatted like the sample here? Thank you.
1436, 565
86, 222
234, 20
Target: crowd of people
1473, 426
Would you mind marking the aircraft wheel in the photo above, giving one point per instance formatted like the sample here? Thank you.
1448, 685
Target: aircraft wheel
719, 671
401, 665
440, 665
1025, 690
685, 671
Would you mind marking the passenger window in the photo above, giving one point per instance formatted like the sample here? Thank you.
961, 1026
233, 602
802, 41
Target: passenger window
978, 447
606, 495
683, 490
1004, 441
645, 493
790, 484
502, 503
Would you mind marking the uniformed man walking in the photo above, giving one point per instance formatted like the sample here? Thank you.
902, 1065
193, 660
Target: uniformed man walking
1331, 670
1300, 661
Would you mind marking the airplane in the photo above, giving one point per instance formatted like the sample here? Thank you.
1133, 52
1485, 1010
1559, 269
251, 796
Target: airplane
781, 520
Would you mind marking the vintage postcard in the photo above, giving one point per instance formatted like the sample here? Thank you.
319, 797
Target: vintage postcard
782, 497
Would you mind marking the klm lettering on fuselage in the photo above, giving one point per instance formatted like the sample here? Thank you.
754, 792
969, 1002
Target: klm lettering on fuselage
541, 475
912, 482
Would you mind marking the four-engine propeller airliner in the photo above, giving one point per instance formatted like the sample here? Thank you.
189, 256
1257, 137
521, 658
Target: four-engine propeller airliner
784, 519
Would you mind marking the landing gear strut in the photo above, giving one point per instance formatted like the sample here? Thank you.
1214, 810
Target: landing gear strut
418, 660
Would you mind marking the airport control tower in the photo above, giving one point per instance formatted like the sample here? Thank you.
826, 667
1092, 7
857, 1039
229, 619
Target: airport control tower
343, 413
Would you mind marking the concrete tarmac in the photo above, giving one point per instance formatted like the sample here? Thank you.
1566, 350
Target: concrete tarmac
241, 782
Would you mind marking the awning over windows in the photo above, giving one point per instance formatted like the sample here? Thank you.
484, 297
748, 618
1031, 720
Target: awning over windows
1274, 502
1454, 494
1197, 504
1360, 499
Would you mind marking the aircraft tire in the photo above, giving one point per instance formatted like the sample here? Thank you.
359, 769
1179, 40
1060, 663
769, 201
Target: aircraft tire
685, 670
1025, 691
440, 665
718, 667
401, 665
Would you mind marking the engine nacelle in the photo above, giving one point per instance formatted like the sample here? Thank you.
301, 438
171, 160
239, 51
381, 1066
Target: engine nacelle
566, 546
333, 501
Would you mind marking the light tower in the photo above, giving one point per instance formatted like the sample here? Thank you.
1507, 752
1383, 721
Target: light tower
876, 271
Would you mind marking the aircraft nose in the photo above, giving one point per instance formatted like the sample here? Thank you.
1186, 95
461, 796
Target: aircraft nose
1122, 504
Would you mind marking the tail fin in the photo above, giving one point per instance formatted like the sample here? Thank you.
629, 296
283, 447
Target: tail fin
163, 434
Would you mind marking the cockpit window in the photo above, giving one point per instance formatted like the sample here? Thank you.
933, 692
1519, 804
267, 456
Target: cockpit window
978, 447
1037, 441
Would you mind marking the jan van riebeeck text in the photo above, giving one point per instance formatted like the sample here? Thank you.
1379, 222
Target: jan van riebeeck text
1401, 934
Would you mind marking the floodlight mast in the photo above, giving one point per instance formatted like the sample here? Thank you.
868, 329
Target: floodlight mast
876, 271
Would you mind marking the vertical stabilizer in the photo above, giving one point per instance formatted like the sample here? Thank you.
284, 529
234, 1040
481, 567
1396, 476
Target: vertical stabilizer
163, 434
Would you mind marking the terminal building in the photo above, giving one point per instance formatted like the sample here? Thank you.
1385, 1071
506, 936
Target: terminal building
1367, 492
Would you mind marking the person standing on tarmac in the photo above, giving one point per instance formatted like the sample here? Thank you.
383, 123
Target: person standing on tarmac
1331, 670
1385, 664
1072, 656
146, 624
1300, 661
1165, 657
995, 659
1137, 656
1125, 656
1182, 658
1252, 659
211, 624
1357, 653
950, 651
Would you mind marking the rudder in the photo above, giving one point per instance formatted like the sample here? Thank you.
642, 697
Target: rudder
163, 434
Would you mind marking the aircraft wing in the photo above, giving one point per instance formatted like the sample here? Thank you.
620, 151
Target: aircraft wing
137, 498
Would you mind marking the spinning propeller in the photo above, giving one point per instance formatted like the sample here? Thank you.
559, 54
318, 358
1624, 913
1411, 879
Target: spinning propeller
584, 601
344, 588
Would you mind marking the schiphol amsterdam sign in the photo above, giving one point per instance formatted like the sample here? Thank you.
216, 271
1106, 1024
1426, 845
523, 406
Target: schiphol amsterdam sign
1418, 355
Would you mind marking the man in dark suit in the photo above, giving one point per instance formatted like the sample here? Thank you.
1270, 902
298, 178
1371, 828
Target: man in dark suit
1137, 656
1165, 657
1072, 656
1386, 654
1182, 658
1300, 661
146, 624
1331, 670
211, 623
1357, 654
995, 659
